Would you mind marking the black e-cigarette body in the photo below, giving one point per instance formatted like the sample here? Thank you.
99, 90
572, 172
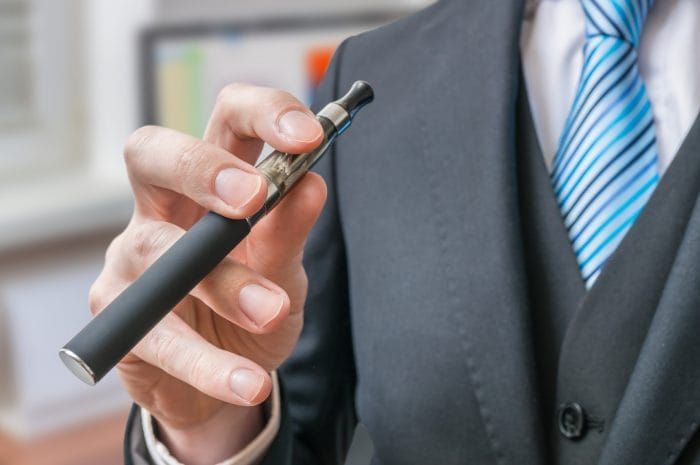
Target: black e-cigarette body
98, 347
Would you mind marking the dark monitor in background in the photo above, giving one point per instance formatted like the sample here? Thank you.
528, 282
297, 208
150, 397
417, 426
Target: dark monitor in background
185, 67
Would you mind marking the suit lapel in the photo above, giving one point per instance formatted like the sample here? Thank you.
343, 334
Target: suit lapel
468, 127
468, 104
604, 339
660, 409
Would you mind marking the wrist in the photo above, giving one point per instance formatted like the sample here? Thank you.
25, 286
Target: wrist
220, 437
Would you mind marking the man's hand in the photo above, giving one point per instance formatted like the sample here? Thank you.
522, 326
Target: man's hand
201, 369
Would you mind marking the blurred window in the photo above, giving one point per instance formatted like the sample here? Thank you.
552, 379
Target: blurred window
39, 86
16, 103
185, 67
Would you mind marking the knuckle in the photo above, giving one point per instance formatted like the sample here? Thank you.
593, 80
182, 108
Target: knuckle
191, 164
198, 371
279, 101
269, 101
141, 242
257, 251
282, 96
165, 348
96, 297
137, 142
114, 248
147, 238
266, 260
233, 276
303, 279
229, 92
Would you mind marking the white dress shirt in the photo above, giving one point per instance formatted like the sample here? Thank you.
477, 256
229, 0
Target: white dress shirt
669, 62
551, 47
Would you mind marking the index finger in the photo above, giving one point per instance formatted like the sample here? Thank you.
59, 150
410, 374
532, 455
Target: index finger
246, 116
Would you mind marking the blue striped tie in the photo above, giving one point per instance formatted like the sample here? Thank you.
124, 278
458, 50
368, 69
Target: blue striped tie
606, 167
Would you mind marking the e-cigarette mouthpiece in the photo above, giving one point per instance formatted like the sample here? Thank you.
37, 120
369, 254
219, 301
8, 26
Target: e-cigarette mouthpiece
127, 319
359, 95
283, 170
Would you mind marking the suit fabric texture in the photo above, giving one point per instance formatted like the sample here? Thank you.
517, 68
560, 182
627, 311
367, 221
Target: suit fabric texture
446, 310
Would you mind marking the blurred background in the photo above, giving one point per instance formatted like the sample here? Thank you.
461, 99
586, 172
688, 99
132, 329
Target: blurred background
76, 78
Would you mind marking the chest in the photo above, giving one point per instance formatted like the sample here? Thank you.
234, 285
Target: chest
454, 286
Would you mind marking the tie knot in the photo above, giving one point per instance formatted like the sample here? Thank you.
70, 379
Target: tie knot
623, 19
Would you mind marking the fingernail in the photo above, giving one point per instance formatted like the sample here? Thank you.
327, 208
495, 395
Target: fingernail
237, 187
246, 383
260, 304
299, 126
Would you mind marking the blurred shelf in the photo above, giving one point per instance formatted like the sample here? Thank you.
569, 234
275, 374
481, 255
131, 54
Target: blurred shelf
97, 442
61, 206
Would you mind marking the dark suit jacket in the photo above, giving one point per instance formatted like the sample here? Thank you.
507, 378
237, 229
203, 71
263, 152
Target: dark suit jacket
418, 320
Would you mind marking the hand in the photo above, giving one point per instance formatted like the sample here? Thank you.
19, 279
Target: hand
201, 369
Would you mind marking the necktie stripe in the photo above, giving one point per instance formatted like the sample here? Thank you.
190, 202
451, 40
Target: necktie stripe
606, 167
612, 139
594, 22
619, 156
598, 193
601, 136
644, 5
574, 155
615, 46
626, 220
603, 154
625, 19
613, 81
587, 90
632, 178
584, 80
637, 14
599, 218
603, 127
592, 270
602, 17
627, 8
595, 255
587, 114
585, 77
587, 173
610, 218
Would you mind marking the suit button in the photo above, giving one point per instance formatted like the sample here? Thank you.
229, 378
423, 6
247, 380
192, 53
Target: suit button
572, 420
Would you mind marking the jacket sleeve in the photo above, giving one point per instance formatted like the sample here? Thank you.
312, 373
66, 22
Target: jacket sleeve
317, 382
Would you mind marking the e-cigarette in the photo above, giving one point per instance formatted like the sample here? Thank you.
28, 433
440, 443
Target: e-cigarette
103, 342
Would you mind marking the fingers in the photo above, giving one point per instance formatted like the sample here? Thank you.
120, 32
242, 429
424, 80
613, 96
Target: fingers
232, 290
275, 245
244, 297
177, 349
162, 161
280, 236
244, 116
165, 165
